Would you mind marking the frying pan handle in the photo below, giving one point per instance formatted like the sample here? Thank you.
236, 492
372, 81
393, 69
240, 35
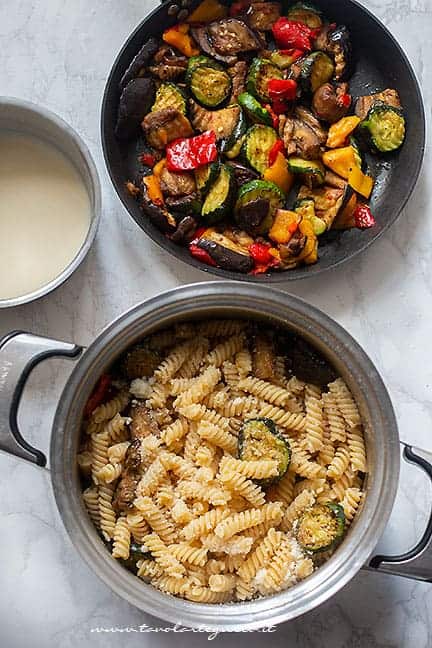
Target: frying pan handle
20, 352
416, 563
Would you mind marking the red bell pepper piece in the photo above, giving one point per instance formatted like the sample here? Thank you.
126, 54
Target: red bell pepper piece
99, 394
200, 254
363, 217
345, 100
290, 34
274, 116
281, 92
189, 153
295, 54
278, 147
260, 253
148, 159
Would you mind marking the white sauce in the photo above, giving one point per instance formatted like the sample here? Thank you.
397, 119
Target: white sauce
44, 213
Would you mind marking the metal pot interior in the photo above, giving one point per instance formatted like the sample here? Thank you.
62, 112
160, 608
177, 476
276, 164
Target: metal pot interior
216, 300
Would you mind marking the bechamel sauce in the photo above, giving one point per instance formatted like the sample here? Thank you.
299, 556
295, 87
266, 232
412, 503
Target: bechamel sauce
44, 213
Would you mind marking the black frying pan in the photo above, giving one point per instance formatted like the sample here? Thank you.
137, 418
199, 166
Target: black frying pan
379, 63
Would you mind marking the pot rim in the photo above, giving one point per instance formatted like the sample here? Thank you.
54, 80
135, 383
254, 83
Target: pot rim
356, 368
92, 183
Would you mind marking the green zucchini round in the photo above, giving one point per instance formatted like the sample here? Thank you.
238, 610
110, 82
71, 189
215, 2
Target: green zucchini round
219, 197
205, 177
305, 13
258, 143
260, 72
260, 190
316, 69
169, 95
254, 110
210, 86
195, 61
384, 127
260, 439
320, 527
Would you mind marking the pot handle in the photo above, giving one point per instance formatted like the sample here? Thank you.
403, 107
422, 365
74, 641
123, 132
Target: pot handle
20, 352
416, 563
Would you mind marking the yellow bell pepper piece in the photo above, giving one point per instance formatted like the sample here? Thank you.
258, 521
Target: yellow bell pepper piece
207, 11
284, 226
279, 174
342, 129
179, 38
360, 182
341, 161
159, 167
154, 189
309, 253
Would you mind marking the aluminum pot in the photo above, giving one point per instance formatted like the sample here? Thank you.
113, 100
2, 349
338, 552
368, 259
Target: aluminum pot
20, 352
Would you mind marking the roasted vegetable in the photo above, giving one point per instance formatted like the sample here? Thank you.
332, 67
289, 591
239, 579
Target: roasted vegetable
190, 204
284, 226
179, 38
263, 357
238, 130
201, 36
390, 97
260, 72
256, 206
305, 209
232, 36
279, 174
185, 230
306, 13
285, 58
219, 198
340, 160
187, 154
238, 77
224, 252
235, 150
163, 126
210, 84
320, 527
257, 145
205, 177
135, 102
227, 123
168, 64
331, 102
157, 212
384, 127
260, 439
307, 363
328, 201
316, 70
169, 95
336, 41
290, 33
308, 168
242, 174
207, 11
140, 61
175, 184
341, 130
261, 15
140, 362
360, 182
254, 110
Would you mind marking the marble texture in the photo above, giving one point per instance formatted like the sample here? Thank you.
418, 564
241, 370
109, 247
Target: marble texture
58, 53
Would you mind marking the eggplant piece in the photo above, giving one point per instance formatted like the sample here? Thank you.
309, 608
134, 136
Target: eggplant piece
231, 36
262, 15
308, 364
175, 184
163, 126
135, 101
223, 122
200, 34
253, 214
243, 174
168, 64
336, 42
135, 69
390, 97
327, 102
225, 253
190, 204
301, 140
259, 439
289, 251
158, 215
185, 230
238, 77
140, 362
310, 120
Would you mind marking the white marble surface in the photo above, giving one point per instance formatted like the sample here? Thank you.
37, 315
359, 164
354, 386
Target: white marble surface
58, 53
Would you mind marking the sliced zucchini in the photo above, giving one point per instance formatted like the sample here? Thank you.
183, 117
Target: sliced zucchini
234, 151
169, 96
195, 61
260, 439
308, 167
209, 85
282, 60
316, 69
219, 198
306, 209
250, 212
254, 110
258, 143
260, 72
305, 13
320, 527
205, 176
238, 130
384, 126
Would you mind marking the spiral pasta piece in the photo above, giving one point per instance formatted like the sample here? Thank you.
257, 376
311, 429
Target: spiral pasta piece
261, 555
121, 539
203, 385
111, 408
91, 501
156, 518
238, 522
287, 420
265, 390
340, 463
350, 502
303, 501
218, 436
186, 553
357, 450
345, 403
160, 552
204, 524
225, 350
335, 419
106, 511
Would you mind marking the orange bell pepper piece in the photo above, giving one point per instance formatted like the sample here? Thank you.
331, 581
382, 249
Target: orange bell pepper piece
159, 167
340, 160
279, 174
342, 129
207, 11
284, 226
360, 182
154, 189
309, 253
179, 38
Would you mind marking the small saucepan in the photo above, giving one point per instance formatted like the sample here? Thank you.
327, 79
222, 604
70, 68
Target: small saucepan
20, 352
